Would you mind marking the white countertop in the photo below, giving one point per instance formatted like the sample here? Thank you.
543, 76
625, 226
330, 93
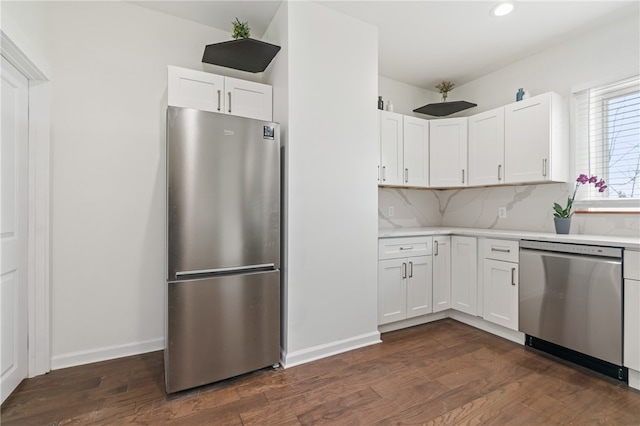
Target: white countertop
603, 240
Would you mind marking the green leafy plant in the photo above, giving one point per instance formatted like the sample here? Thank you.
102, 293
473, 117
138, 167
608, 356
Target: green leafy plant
241, 29
582, 179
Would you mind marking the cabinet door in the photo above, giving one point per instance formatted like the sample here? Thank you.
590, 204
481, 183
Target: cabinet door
419, 286
248, 99
391, 148
416, 151
195, 89
392, 290
486, 148
631, 358
441, 273
448, 152
527, 140
464, 274
501, 293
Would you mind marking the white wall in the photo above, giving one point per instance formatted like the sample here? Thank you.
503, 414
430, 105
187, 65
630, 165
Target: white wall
405, 97
26, 24
332, 158
109, 98
608, 51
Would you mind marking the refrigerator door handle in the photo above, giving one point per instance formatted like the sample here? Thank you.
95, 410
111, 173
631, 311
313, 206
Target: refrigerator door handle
233, 269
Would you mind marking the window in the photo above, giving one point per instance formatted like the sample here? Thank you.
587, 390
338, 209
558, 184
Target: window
608, 142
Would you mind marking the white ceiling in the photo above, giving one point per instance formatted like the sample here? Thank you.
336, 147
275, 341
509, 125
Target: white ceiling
424, 42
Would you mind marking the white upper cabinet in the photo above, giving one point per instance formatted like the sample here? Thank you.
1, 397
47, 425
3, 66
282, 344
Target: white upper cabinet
248, 99
536, 140
391, 149
404, 150
416, 152
195, 89
448, 152
486, 148
210, 92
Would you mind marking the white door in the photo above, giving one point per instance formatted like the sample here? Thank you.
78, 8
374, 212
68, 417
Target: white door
486, 148
248, 99
416, 152
13, 229
527, 136
441, 273
392, 290
501, 293
391, 148
448, 152
195, 89
464, 274
419, 286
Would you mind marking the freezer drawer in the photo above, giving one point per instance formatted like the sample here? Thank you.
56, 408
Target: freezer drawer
221, 327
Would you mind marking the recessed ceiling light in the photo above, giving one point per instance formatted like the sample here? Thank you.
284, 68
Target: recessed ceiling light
501, 9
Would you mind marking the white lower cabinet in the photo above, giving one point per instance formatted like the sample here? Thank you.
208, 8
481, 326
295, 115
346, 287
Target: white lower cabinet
501, 293
464, 274
441, 273
500, 282
404, 283
631, 356
392, 290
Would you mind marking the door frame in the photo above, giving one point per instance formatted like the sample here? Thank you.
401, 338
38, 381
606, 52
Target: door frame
39, 210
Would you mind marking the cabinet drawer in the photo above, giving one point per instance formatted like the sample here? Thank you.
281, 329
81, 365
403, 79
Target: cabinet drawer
394, 248
501, 250
632, 264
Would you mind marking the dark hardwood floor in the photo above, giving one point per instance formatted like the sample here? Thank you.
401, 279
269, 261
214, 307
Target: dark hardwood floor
439, 373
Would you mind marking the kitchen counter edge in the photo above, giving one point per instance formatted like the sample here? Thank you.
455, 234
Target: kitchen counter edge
602, 240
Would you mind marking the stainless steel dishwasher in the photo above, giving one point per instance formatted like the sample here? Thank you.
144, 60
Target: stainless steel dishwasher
570, 303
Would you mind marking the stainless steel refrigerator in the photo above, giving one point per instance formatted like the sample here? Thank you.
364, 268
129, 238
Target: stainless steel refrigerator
223, 247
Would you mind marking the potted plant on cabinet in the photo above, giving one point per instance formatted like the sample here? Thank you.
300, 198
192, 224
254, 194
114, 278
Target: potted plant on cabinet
241, 53
562, 216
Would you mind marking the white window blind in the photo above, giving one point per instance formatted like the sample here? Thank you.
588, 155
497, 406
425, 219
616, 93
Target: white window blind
608, 141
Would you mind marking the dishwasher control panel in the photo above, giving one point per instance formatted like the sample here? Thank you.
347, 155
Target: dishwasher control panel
572, 248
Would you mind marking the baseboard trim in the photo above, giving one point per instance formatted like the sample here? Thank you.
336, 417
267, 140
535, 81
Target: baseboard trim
411, 322
498, 330
73, 359
634, 379
328, 349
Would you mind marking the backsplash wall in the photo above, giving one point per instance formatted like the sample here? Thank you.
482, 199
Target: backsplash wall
529, 208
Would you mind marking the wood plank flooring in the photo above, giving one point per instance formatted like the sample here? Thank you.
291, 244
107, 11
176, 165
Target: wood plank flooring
439, 373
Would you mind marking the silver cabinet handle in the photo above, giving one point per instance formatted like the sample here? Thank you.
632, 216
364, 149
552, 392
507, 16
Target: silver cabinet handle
499, 170
219, 92
229, 102
462, 175
384, 173
404, 270
406, 175
378, 173
406, 248
544, 167
513, 276
435, 247
410, 269
500, 250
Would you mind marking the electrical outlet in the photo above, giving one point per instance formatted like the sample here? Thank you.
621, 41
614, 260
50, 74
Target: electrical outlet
502, 212
391, 211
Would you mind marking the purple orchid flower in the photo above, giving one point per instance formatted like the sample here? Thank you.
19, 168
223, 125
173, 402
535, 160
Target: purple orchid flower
581, 180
